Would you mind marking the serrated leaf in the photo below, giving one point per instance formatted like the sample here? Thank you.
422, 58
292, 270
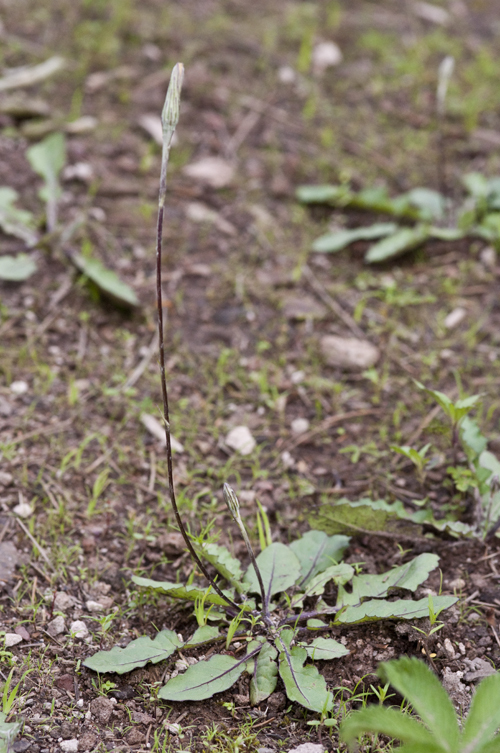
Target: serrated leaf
178, 591
303, 683
279, 567
106, 280
13, 221
317, 551
395, 245
483, 718
224, 562
264, 676
16, 268
415, 681
203, 634
325, 649
137, 654
340, 574
409, 576
390, 722
336, 241
204, 679
401, 609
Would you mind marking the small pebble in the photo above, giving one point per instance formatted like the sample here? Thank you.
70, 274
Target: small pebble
19, 387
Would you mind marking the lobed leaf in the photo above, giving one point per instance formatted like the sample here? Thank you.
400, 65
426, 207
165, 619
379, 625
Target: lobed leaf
279, 567
316, 551
264, 676
400, 609
204, 679
137, 654
303, 683
415, 681
178, 591
483, 718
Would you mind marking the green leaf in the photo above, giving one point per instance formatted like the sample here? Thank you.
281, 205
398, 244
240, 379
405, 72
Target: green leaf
344, 516
415, 681
476, 184
401, 609
338, 240
47, 158
397, 244
223, 561
325, 649
8, 733
16, 268
483, 719
316, 551
178, 591
340, 574
106, 280
279, 567
303, 684
265, 675
204, 634
390, 722
446, 233
204, 679
409, 576
13, 221
489, 462
322, 194
473, 440
432, 204
137, 654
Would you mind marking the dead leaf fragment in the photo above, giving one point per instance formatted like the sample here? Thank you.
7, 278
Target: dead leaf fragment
212, 171
33, 74
349, 353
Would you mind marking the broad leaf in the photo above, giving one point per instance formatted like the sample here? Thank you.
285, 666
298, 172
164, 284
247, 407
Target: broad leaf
473, 440
340, 574
483, 719
203, 679
264, 676
223, 561
316, 551
399, 243
8, 733
415, 681
204, 634
178, 591
303, 684
401, 609
409, 576
344, 516
13, 221
325, 649
279, 567
106, 280
476, 184
338, 240
48, 158
432, 204
137, 654
16, 268
446, 233
322, 194
390, 722
490, 462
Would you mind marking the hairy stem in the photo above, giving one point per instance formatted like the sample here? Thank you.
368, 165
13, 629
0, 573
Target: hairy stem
170, 117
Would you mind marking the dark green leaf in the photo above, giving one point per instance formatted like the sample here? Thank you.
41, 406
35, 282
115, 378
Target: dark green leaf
279, 568
137, 654
340, 574
204, 634
390, 722
338, 240
415, 681
483, 719
303, 684
203, 679
344, 516
223, 561
399, 243
16, 268
265, 675
316, 551
325, 649
106, 280
401, 609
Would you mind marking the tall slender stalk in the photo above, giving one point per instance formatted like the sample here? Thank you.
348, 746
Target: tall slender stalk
170, 118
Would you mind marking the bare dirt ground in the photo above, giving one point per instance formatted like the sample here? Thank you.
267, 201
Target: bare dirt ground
246, 305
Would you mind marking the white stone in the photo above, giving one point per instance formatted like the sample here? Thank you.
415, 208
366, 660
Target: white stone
286, 74
12, 639
152, 125
455, 317
241, 440
198, 212
94, 606
56, 626
23, 510
448, 647
6, 478
325, 55
82, 171
308, 748
297, 377
78, 629
156, 429
488, 257
348, 352
287, 459
432, 13
69, 746
300, 425
19, 387
213, 171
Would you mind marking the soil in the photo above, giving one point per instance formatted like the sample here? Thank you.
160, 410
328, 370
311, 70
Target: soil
246, 305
